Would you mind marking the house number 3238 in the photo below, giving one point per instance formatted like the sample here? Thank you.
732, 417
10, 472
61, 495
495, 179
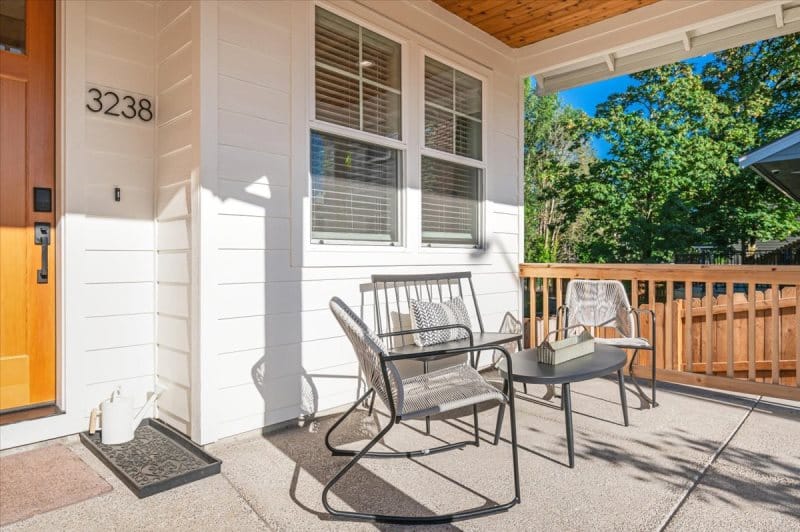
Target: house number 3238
110, 102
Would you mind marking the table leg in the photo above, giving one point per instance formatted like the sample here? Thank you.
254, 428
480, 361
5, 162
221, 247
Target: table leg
566, 397
500, 412
524, 384
623, 398
427, 418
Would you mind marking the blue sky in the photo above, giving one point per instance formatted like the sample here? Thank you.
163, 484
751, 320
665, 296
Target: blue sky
587, 97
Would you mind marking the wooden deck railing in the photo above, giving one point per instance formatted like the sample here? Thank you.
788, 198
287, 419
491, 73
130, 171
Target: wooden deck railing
736, 328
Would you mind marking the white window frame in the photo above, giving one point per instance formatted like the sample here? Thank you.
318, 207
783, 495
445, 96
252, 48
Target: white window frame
305, 253
401, 146
482, 164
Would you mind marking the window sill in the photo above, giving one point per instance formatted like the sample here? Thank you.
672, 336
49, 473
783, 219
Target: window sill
326, 256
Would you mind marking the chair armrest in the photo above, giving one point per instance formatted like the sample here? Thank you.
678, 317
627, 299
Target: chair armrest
429, 329
637, 311
446, 353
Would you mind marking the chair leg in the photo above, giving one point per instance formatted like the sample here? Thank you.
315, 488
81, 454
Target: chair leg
428, 418
550, 393
475, 425
371, 403
646, 402
653, 376
338, 422
623, 399
500, 413
425, 520
524, 384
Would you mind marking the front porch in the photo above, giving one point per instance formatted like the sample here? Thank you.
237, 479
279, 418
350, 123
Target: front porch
701, 460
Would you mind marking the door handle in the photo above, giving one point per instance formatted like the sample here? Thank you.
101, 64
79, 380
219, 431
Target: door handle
41, 237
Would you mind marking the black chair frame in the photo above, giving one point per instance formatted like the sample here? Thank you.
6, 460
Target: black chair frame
396, 418
562, 317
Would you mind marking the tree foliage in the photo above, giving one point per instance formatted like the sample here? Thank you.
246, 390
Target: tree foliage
557, 152
671, 178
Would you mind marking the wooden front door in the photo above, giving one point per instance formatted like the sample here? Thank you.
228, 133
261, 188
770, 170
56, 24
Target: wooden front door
27, 203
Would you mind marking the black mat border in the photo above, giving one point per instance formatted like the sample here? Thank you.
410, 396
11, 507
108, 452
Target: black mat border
213, 466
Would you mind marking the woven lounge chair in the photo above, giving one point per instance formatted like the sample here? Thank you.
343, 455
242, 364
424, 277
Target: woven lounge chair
605, 304
439, 391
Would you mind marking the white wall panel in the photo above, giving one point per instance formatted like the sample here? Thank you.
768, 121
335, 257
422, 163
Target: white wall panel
119, 42
268, 70
238, 164
174, 299
115, 364
109, 299
253, 100
118, 267
176, 125
253, 133
253, 199
281, 353
174, 167
119, 331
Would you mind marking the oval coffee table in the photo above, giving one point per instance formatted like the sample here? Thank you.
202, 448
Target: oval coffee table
527, 369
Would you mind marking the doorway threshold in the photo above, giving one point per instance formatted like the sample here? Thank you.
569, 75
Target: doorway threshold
28, 413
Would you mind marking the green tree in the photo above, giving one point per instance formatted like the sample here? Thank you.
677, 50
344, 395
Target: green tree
671, 178
759, 87
557, 152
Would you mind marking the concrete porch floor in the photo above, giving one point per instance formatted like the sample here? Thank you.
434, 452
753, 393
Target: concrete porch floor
702, 460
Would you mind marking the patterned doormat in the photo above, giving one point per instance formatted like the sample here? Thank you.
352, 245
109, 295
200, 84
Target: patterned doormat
157, 459
45, 479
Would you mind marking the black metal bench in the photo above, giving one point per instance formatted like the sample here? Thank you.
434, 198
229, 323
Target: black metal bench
392, 294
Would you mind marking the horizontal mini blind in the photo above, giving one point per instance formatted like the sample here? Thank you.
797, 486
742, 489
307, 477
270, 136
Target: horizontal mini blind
354, 190
450, 198
357, 76
453, 117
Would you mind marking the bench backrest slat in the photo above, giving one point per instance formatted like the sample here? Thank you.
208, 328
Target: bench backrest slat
438, 287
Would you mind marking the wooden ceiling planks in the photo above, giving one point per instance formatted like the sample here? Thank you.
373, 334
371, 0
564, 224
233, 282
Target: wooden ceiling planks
521, 22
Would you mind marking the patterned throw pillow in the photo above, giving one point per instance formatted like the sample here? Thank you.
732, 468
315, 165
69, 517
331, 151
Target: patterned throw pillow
431, 314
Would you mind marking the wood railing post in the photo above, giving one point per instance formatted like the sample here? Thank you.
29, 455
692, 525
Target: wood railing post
751, 331
708, 330
797, 335
776, 334
545, 307
668, 310
532, 312
687, 325
729, 328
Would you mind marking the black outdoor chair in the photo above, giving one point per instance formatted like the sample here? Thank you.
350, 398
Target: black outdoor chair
392, 296
439, 391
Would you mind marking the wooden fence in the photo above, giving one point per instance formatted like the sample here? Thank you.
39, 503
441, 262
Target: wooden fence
735, 328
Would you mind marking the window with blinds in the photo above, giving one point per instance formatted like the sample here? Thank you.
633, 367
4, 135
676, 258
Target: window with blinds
357, 76
451, 192
354, 190
355, 184
450, 200
453, 118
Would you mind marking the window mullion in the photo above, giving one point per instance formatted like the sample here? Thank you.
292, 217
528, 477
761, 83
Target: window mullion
360, 79
453, 109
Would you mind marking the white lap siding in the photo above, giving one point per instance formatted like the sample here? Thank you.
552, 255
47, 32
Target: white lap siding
279, 353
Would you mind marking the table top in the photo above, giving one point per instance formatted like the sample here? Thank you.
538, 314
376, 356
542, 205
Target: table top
604, 360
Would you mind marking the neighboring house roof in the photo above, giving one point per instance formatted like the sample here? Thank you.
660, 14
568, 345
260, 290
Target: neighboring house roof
765, 246
779, 163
